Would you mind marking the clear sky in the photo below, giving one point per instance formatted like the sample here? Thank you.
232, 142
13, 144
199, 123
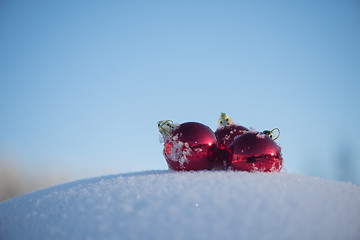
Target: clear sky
83, 83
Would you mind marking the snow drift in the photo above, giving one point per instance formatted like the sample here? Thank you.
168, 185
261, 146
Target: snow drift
187, 205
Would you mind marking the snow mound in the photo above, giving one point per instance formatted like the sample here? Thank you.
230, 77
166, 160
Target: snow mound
187, 205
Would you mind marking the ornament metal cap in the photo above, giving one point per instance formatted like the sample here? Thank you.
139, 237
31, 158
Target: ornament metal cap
166, 127
225, 120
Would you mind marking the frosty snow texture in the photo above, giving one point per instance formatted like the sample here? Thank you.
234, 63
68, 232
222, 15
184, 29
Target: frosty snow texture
187, 205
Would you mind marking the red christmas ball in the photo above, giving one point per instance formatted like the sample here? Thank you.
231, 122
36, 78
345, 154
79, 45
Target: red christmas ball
191, 146
255, 151
225, 135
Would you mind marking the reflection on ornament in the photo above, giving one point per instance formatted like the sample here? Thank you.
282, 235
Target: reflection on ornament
253, 152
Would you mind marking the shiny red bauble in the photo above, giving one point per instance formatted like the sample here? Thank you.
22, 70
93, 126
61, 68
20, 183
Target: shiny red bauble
255, 151
191, 146
225, 135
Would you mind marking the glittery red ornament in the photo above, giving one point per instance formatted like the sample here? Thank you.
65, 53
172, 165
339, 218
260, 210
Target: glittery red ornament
190, 146
225, 136
255, 151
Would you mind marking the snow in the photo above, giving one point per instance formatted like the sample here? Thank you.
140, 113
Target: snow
260, 135
252, 130
179, 151
187, 205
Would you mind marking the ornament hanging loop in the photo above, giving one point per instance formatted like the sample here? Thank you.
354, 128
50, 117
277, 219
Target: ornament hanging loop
271, 133
166, 127
278, 135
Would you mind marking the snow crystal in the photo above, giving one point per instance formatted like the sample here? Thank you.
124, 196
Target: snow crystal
180, 151
236, 137
164, 138
220, 127
252, 130
187, 205
273, 168
187, 151
161, 138
260, 135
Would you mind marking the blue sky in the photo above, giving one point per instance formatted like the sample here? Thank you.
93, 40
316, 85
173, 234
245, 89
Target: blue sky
83, 84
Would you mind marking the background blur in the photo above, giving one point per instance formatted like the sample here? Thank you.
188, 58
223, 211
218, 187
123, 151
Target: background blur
83, 83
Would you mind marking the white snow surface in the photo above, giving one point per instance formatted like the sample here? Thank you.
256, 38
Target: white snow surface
187, 205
